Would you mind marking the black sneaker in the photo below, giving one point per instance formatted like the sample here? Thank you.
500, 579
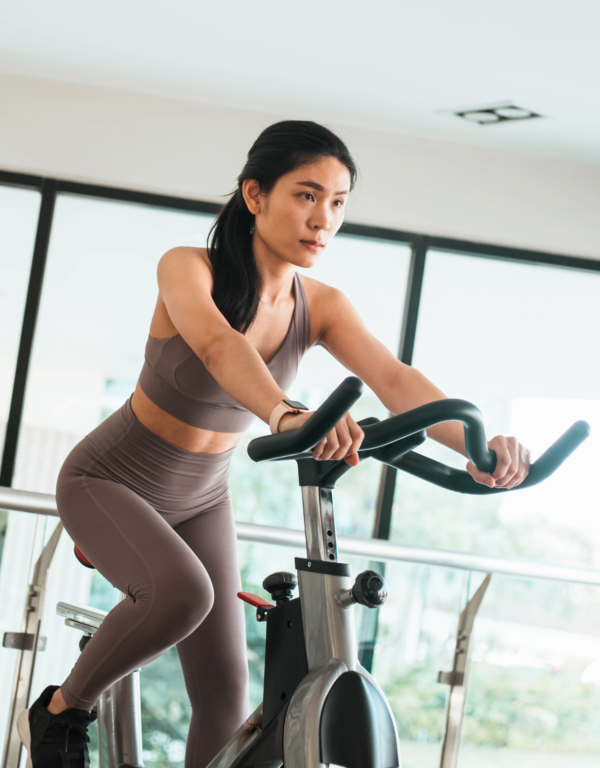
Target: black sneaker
55, 741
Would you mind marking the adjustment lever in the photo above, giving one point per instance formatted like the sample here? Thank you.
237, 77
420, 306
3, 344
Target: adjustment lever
261, 605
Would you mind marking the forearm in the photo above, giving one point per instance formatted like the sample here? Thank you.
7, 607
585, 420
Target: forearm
243, 374
409, 389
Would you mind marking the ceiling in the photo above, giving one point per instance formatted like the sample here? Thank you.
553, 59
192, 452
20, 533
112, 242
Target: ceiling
398, 66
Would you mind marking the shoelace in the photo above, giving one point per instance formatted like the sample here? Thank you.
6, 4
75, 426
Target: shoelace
80, 729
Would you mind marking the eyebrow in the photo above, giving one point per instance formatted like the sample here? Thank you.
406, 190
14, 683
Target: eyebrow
314, 185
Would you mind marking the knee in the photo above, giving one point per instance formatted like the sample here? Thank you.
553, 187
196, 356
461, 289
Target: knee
186, 602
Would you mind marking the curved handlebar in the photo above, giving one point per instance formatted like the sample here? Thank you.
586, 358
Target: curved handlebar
461, 482
392, 440
286, 445
406, 424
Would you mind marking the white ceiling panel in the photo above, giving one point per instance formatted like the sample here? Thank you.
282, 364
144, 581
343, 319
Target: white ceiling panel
390, 64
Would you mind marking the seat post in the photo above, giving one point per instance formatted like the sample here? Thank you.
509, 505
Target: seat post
319, 523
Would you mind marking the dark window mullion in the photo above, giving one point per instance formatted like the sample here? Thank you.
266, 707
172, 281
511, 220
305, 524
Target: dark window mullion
381, 529
387, 484
34, 290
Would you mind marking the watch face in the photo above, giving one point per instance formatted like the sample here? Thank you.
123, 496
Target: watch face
295, 404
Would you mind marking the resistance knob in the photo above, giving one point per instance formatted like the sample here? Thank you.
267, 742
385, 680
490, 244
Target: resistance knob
370, 589
280, 586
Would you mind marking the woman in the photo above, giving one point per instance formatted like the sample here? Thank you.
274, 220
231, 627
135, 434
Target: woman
145, 495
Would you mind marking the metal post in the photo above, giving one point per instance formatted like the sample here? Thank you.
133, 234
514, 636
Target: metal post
28, 642
458, 679
127, 720
118, 707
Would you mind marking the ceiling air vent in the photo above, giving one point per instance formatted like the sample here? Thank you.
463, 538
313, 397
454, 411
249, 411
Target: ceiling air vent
500, 114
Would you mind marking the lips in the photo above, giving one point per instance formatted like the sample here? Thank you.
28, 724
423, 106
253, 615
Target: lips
313, 242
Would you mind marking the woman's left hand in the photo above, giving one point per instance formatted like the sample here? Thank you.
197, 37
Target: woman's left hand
512, 464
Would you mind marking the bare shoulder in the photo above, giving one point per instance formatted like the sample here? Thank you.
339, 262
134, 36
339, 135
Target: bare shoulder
185, 264
325, 304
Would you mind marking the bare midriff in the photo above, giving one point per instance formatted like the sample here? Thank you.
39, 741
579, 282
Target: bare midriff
178, 432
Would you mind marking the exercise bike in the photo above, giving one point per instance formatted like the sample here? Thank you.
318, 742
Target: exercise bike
321, 707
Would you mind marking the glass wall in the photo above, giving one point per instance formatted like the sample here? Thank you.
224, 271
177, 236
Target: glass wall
516, 339
19, 210
101, 270
97, 301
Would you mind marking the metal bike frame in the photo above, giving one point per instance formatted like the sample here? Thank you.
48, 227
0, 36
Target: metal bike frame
119, 708
28, 642
330, 640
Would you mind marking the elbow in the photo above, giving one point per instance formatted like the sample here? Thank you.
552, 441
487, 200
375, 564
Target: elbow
216, 349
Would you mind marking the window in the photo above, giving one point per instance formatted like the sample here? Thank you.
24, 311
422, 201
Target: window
515, 339
373, 275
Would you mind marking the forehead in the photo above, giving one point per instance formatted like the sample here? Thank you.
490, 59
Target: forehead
329, 172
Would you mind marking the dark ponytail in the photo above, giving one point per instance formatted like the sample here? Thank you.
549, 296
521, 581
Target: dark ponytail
280, 149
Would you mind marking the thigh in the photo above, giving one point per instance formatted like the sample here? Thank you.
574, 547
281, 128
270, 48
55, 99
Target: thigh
128, 541
214, 656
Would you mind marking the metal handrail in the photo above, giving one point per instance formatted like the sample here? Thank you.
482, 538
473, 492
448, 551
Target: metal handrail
374, 549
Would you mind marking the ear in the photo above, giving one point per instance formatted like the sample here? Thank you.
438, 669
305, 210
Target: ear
251, 193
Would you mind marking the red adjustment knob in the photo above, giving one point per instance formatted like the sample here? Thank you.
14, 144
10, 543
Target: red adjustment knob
82, 558
255, 600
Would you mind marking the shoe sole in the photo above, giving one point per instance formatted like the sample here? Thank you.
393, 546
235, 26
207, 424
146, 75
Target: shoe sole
25, 734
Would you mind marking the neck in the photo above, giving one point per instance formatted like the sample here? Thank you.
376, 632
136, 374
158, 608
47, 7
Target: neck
276, 275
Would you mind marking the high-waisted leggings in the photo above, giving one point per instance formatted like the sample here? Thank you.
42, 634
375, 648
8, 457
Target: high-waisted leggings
157, 522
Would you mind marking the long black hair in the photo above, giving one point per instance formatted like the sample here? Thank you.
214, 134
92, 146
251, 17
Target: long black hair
280, 148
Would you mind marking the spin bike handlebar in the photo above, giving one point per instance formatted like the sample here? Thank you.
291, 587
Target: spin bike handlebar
392, 440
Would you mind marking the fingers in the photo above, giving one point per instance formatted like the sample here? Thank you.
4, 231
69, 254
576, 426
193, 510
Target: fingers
481, 477
342, 442
512, 464
520, 460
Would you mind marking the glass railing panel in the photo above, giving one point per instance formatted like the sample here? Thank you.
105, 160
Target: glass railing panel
534, 687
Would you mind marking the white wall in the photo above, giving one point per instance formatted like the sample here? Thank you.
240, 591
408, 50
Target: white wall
196, 150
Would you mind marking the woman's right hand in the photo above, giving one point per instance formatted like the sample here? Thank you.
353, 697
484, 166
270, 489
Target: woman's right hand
342, 442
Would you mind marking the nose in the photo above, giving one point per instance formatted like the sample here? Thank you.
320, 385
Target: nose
321, 218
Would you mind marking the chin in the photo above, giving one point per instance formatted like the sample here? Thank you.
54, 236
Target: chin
308, 263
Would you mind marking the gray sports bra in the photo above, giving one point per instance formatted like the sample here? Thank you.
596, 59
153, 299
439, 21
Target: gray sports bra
176, 380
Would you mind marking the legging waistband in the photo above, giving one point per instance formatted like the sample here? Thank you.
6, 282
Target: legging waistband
169, 478
124, 420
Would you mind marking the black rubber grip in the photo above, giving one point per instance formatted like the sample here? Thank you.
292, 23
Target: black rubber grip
322, 421
462, 482
425, 416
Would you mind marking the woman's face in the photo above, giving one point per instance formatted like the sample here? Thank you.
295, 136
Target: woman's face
303, 211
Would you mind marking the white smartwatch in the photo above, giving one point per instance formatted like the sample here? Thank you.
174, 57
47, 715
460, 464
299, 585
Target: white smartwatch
285, 406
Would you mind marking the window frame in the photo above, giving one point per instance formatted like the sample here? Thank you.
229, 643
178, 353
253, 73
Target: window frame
419, 243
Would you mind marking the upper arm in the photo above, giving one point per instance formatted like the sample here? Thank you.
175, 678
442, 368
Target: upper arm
185, 286
346, 337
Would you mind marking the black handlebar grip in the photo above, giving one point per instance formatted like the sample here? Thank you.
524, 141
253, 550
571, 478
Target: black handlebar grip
407, 424
554, 456
461, 482
322, 421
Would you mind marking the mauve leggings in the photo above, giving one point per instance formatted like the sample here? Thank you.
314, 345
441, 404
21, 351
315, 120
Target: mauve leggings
157, 522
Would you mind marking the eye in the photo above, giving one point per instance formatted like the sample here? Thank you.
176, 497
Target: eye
309, 194
341, 203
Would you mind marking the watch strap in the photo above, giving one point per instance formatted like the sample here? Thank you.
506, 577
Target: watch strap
283, 407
